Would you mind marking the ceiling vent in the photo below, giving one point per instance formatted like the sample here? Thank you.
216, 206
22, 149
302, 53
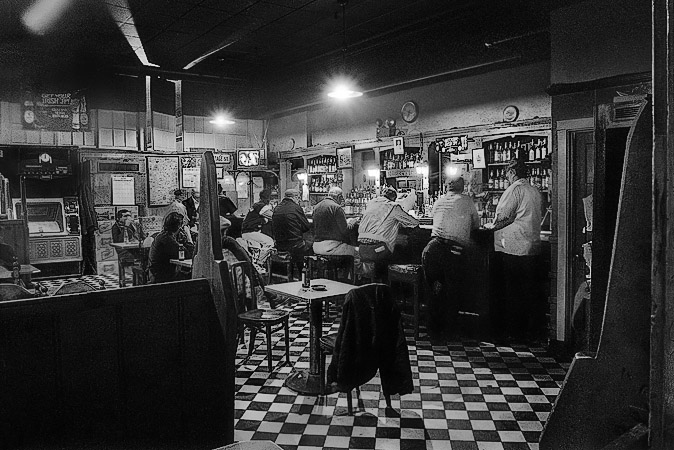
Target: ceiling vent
626, 108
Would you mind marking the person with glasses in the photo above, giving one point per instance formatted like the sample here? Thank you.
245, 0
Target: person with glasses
517, 242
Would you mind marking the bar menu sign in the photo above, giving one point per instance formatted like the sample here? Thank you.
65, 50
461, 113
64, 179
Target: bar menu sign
55, 111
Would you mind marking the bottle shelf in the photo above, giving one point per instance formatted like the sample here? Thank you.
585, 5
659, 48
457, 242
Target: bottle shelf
318, 174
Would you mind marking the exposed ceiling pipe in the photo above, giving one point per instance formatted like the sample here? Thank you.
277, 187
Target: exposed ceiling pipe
178, 75
514, 38
401, 85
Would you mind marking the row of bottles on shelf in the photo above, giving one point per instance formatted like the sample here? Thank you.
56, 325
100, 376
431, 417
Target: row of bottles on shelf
323, 185
322, 164
533, 150
356, 200
538, 177
406, 161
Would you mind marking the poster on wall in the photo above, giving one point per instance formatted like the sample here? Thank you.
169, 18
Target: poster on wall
398, 146
478, 159
162, 179
224, 160
123, 191
344, 158
190, 169
55, 111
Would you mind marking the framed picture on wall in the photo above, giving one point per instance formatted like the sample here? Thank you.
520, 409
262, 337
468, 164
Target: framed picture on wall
344, 157
220, 172
478, 158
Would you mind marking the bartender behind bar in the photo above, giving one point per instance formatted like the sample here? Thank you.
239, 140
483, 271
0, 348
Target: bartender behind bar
517, 242
445, 268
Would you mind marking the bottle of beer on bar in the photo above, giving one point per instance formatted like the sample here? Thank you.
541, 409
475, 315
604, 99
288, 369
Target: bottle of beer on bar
305, 275
181, 252
16, 270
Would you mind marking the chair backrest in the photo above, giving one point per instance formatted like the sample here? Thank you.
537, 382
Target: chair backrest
241, 276
10, 291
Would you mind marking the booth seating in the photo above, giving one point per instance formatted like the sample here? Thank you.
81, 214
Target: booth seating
411, 275
141, 367
282, 260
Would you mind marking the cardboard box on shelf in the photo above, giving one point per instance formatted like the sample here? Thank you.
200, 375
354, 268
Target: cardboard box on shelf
106, 254
107, 268
104, 213
105, 227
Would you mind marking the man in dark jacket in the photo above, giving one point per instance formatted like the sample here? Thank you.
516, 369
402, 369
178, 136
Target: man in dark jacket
330, 226
290, 224
192, 206
260, 213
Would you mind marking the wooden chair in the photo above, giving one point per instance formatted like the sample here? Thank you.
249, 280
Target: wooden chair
284, 260
410, 275
374, 297
140, 270
249, 315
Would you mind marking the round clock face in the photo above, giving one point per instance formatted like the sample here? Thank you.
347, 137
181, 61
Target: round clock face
510, 113
409, 112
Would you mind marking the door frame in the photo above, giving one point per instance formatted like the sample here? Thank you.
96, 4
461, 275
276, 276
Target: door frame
564, 130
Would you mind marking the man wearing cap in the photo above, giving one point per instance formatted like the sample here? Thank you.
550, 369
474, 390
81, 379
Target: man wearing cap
177, 205
258, 215
454, 218
192, 207
379, 228
330, 227
290, 224
517, 241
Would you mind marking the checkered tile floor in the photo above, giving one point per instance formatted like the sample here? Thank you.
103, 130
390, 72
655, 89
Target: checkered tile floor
97, 281
468, 395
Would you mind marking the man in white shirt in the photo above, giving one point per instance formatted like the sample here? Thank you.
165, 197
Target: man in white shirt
454, 219
517, 241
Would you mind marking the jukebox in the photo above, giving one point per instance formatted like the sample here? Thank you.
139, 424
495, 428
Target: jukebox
53, 221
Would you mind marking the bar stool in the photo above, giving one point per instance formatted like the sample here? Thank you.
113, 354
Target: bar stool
284, 260
329, 266
412, 275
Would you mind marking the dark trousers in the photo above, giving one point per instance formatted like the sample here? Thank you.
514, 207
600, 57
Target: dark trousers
521, 303
380, 255
445, 272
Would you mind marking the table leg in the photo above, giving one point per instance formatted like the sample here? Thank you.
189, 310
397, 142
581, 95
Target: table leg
309, 382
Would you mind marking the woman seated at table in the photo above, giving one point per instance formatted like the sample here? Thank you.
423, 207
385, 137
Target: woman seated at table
165, 247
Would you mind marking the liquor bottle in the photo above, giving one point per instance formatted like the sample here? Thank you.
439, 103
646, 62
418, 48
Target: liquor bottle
16, 270
181, 252
532, 151
490, 183
538, 150
544, 150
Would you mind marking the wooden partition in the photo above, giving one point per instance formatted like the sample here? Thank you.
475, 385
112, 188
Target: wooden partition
142, 367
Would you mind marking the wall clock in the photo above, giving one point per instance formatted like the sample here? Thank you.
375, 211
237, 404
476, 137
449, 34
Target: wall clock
409, 111
510, 113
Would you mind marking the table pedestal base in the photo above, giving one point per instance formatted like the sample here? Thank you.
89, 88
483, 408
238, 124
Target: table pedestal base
303, 382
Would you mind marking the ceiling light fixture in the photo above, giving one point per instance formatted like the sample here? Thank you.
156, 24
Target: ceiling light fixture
221, 121
343, 90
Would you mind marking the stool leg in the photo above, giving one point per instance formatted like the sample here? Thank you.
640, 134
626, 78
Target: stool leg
287, 341
321, 371
349, 403
388, 400
268, 333
415, 305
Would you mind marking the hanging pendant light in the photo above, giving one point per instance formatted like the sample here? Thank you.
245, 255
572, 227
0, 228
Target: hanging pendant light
343, 89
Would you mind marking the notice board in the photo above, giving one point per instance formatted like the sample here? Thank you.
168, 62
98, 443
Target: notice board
162, 179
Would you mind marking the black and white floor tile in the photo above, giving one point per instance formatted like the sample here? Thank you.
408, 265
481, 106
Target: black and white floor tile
468, 395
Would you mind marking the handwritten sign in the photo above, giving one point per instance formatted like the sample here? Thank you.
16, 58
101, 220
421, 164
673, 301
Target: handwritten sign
123, 192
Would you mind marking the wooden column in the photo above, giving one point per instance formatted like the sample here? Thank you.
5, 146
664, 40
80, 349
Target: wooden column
661, 433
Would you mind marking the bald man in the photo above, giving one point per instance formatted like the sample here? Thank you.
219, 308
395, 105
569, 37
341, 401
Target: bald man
330, 228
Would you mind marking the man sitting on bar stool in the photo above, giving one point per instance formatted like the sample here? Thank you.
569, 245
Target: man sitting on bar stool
454, 218
331, 229
290, 224
379, 228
